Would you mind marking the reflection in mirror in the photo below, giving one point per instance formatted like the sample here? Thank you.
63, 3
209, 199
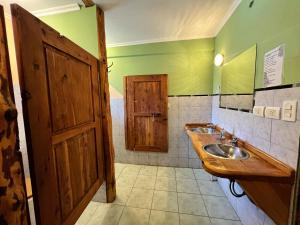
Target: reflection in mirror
237, 83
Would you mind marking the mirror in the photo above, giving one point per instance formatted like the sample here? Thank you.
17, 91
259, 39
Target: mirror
237, 82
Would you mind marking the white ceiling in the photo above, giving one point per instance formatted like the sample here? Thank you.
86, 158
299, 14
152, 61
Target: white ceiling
146, 21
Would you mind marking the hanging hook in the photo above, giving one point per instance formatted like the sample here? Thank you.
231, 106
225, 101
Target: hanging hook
112, 63
108, 68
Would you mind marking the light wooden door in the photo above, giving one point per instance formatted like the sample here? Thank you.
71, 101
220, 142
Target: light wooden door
60, 94
13, 204
146, 116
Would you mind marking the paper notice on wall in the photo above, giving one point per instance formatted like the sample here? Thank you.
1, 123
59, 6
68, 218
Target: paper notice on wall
273, 66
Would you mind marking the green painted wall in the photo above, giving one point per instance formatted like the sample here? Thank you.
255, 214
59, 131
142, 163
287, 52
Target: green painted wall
189, 64
79, 26
238, 74
268, 23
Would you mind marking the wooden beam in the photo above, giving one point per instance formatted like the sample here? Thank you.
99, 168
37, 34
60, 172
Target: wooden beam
88, 3
106, 114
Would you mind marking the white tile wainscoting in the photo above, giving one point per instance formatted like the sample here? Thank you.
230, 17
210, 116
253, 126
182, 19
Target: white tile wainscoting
276, 137
182, 110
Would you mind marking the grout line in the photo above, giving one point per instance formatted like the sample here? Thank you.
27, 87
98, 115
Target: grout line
201, 196
152, 197
177, 197
150, 210
121, 215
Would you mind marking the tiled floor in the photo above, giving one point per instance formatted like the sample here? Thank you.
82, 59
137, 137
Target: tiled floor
153, 195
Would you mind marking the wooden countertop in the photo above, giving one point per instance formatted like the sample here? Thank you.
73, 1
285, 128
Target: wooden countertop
259, 166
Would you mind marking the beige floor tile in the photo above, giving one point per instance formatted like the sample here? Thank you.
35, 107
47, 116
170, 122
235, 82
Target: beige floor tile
126, 181
122, 195
165, 201
224, 222
140, 198
106, 214
134, 216
148, 171
146, 182
163, 218
210, 188
201, 174
131, 170
100, 195
184, 173
193, 220
187, 186
191, 204
87, 214
165, 184
219, 207
119, 167
151, 192
166, 172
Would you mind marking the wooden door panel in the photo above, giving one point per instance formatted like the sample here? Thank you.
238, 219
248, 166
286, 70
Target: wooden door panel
67, 75
146, 113
147, 96
147, 133
76, 169
61, 102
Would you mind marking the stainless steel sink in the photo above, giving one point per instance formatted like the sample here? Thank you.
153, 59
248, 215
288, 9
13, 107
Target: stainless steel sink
226, 151
204, 130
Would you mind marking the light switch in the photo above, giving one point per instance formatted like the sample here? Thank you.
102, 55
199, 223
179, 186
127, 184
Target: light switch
259, 111
289, 110
272, 112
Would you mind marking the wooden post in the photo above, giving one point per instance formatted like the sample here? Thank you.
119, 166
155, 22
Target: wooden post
88, 3
296, 206
13, 201
106, 114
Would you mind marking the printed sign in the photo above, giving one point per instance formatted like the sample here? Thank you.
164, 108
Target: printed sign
273, 66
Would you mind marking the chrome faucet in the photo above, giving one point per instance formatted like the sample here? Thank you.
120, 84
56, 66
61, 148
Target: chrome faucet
234, 141
211, 128
222, 134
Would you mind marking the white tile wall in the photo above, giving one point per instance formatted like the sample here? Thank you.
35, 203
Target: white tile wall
277, 138
182, 110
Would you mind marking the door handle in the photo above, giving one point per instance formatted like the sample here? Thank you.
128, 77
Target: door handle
156, 114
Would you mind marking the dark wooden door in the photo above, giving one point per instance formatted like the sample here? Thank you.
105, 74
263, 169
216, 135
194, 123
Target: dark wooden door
146, 113
13, 204
60, 94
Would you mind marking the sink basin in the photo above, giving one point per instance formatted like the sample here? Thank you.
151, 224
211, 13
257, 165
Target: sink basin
203, 130
226, 151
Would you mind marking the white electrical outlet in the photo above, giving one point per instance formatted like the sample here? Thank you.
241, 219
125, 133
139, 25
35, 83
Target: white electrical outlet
272, 112
289, 110
259, 111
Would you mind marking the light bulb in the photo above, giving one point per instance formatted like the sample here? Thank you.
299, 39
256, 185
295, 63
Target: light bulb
219, 59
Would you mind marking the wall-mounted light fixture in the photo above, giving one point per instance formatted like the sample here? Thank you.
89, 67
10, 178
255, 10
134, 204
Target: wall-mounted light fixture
219, 59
